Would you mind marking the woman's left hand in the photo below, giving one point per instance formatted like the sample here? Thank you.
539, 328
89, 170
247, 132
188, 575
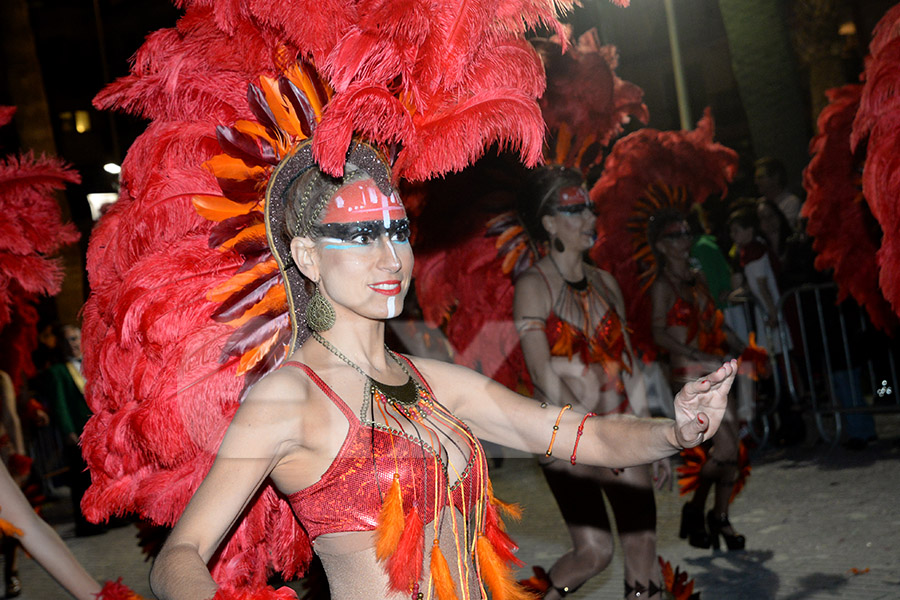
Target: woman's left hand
700, 406
662, 474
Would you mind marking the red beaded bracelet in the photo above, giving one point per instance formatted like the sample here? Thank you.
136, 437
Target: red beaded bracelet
578, 435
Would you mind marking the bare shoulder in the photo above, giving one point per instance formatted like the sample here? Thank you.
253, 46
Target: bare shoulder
661, 290
533, 297
271, 415
287, 388
447, 379
531, 279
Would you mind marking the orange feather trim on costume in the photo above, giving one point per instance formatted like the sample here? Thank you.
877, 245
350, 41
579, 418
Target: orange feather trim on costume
497, 574
253, 233
510, 509
228, 167
239, 281
8, 529
390, 522
275, 297
754, 360
252, 357
444, 586
219, 208
676, 581
404, 567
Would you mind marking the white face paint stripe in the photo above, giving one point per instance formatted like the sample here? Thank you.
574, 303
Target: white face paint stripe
392, 307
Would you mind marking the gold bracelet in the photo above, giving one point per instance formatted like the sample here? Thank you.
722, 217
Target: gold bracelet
556, 427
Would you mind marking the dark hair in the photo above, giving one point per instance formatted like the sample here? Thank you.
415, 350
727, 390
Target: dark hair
784, 227
773, 166
541, 196
658, 223
308, 195
746, 218
63, 350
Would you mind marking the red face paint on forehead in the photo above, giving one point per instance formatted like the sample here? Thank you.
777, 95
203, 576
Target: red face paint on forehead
571, 196
362, 201
676, 227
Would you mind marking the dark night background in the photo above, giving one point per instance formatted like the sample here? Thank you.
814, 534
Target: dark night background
761, 65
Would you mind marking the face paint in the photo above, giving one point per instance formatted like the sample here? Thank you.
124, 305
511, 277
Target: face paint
574, 200
348, 235
362, 201
676, 230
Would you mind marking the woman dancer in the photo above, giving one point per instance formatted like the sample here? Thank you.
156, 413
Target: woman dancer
571, 320
357, 436
687, 324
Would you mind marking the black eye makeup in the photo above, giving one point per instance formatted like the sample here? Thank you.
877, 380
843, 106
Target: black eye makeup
576, 209
364, 232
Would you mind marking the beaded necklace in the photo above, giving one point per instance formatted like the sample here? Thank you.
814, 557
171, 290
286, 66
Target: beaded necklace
418, 417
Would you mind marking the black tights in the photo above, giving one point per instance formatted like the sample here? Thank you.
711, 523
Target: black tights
578, 491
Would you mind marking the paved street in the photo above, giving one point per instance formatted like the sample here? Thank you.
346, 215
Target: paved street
821, 524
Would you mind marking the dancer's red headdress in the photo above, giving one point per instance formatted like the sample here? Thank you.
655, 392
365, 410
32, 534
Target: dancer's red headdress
31, 231
838, 218
466, 286
867, 150
645, 172
187, 299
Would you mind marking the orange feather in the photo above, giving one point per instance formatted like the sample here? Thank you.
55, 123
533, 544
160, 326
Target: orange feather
252, 128
497, 574
248, 233
404, 567
390, 522
284, 113
219, 208
250, 358
444, 586
227, 167
239, 281
274, 301
8, 529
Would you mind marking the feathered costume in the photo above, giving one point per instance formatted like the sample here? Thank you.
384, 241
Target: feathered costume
187, 306
647, 171
31, 231
853, 177
465, 286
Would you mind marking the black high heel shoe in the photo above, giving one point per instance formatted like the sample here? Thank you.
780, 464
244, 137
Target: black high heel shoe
716, 524
692, 528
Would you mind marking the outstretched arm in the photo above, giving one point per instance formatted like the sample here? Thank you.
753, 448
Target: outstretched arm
260, 435
498, 415
42, 542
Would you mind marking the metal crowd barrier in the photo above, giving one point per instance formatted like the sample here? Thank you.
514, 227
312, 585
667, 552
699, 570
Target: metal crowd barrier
847, 367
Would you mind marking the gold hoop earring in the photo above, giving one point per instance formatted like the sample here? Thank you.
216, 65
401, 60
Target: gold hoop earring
319, 312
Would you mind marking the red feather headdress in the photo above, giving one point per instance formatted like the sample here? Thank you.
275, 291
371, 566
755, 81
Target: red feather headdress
465, 285
31, 231
645, 172
836, 216
186, 308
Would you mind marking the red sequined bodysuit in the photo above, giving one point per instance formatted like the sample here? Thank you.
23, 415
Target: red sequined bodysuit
349, 495
706, 327
604, 346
